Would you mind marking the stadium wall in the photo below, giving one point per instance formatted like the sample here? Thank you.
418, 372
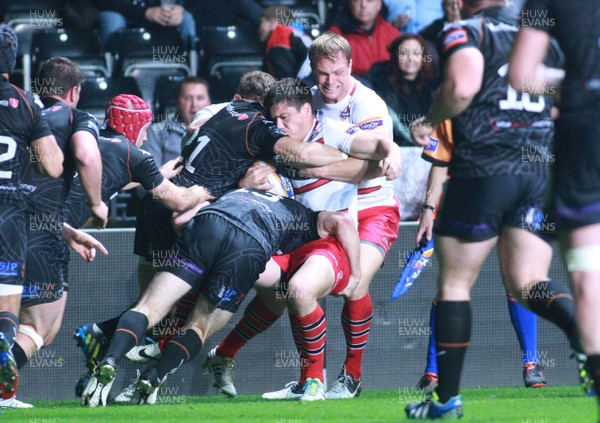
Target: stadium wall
394, 358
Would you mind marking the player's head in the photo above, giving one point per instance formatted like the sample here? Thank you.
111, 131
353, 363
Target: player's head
193, 96
61, 78
289, 102
271, 17
331, 64
254, 86
8, 49
130, 116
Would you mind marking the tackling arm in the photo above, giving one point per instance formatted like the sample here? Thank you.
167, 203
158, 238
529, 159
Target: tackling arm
180, 199
47, 156
307, 153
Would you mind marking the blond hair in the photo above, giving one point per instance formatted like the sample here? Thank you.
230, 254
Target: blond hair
329, 45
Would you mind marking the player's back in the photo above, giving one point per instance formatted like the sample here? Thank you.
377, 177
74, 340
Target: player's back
499, 126
226, 146
20, 123
122, 163
42, 193
279, 224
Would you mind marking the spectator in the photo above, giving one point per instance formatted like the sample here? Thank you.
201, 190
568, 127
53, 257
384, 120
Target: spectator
119, 14
286, 55
406, 83
451, 14
368, 33
412, 15
164, 138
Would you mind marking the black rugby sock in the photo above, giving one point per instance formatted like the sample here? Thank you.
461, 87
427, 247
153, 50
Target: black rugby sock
130, 331
553, 301
593, 366
179, 350
108, 327
9, 325
19, 355
453, 331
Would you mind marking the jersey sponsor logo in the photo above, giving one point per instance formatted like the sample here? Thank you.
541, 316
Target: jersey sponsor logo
227, 294
55, 108
367, 126
433, 144
14, 103
353, 130
9, 268
243, 116
115, 140
454, 38
276, 131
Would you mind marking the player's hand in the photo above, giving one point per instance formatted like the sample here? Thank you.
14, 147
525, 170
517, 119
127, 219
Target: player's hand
353, 281
391, 167
420, 130
178, 219
256, 177
100, 215
425, 226
84, 244
172, 167
199, 194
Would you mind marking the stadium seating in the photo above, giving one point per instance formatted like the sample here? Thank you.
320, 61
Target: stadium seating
80, 45
165, 95
97, 92
34, 13
145, 55
226, 53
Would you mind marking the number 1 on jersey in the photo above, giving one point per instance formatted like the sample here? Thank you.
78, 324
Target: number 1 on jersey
202, 142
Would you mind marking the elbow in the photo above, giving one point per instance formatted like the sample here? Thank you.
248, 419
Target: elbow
464, 93
53, 169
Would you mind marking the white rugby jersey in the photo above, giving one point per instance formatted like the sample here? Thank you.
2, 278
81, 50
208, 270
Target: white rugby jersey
321, 194
364, 108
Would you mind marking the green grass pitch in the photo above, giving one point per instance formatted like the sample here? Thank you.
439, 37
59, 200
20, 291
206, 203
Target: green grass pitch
514, 405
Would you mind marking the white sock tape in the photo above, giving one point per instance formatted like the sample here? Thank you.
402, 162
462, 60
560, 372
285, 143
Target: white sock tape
584, 259
31, 333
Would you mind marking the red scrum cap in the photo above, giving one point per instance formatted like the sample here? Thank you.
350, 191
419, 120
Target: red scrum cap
128, 115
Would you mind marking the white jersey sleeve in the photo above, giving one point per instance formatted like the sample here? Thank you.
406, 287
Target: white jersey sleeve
338, 134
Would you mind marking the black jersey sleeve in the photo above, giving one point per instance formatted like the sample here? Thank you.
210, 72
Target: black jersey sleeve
144, 169
39, 127
262, 136
456, 36
83, 121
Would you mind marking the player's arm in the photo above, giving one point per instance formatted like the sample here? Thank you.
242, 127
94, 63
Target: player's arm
47, 156
293, 151
178, 198
84, 244
372, 145
526, 71
435, 183
463, 77
342, 227
351, 170
89, 165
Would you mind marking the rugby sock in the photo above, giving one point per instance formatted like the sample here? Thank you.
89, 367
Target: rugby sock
180, 349
129, 333
312, 330
593, 366
9, 326
525, 324
432, 365
19, 355
357, 317
257, 318
108, 327
453, 333
301, 352
552, 301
